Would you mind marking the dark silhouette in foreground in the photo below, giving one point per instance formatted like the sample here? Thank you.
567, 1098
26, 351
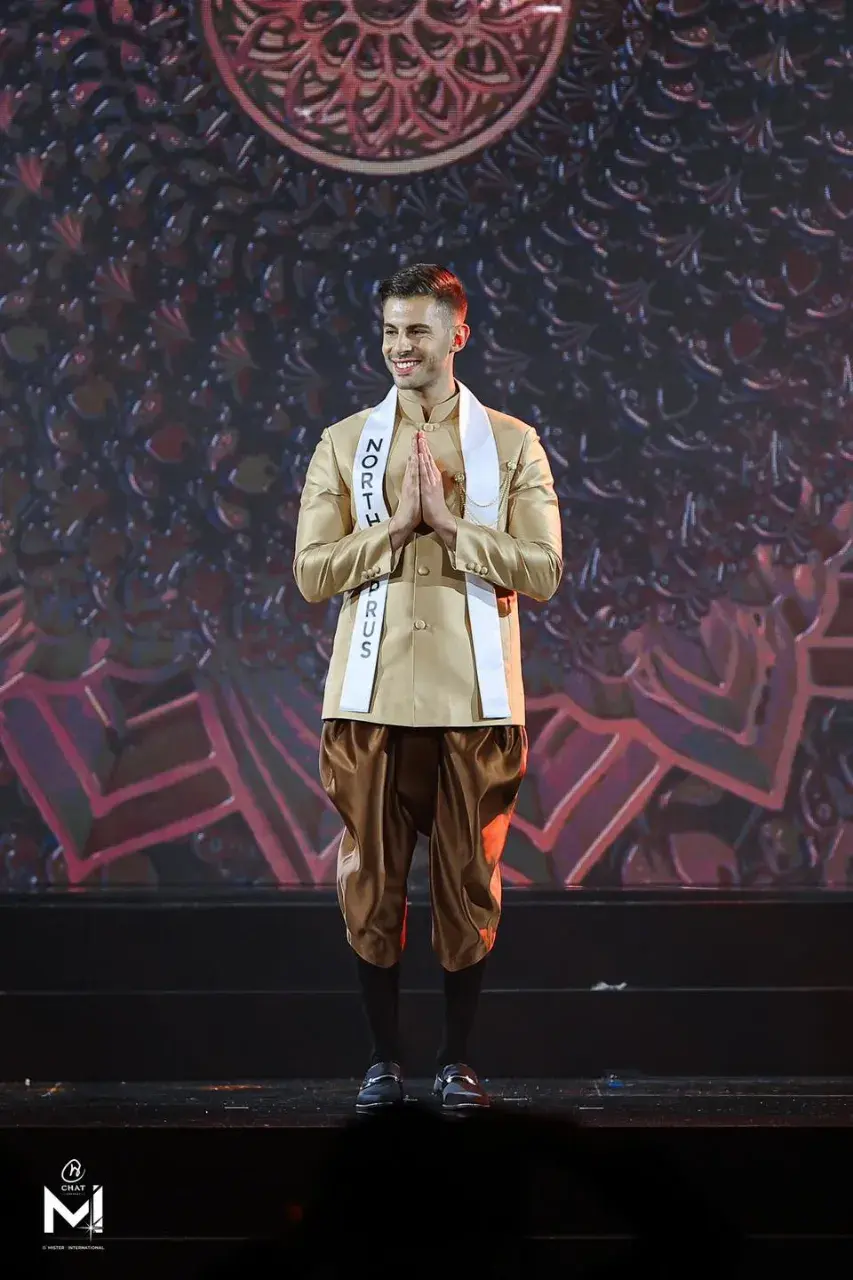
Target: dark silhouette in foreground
414, 1192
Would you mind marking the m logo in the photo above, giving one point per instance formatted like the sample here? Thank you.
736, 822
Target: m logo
76, 1209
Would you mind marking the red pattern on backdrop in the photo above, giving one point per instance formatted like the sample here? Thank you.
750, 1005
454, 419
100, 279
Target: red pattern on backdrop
373, 87
659, 253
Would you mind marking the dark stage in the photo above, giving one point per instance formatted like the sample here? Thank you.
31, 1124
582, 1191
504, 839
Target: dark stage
256, 984
323, 1104
718, 1177
671, 1074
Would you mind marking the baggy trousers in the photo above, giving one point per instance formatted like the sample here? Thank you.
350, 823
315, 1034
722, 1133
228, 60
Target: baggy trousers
459, 787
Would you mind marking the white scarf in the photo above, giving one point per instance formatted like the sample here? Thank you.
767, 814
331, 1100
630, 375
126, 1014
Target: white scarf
482, 489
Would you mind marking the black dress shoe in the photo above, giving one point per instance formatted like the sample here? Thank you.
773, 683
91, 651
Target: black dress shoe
459, 1088
381, 1087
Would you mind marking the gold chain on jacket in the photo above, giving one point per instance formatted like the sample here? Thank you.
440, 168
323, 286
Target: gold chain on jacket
509, 467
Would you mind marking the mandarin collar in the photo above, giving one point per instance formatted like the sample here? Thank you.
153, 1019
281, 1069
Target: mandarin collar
413, 410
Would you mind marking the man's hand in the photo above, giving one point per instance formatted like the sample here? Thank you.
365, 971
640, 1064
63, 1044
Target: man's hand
408, 516
435, 510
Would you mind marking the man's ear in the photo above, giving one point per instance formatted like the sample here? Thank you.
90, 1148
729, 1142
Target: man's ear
461, 334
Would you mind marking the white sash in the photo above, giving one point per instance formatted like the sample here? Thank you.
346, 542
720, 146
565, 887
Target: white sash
482, 488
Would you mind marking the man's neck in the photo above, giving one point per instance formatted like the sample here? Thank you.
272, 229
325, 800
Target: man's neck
429, 397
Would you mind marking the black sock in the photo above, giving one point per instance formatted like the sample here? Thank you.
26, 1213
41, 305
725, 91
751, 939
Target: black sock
461, 996
380, 996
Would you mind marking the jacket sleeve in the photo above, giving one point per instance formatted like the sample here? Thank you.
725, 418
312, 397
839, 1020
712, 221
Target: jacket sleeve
331, 557
528, 556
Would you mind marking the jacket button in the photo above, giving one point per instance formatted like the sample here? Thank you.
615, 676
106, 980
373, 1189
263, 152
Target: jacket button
423, 570
472, 568
420, 626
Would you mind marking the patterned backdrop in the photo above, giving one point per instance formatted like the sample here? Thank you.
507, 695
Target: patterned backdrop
651, 207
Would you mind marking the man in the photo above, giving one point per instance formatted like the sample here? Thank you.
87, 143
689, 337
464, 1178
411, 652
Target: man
429, 514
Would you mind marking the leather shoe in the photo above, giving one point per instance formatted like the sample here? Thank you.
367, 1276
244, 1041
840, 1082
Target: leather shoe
381, 1087
459, 1088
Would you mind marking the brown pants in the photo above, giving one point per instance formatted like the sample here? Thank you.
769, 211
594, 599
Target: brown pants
457, 786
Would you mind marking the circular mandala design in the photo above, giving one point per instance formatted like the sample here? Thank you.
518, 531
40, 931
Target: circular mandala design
386, 86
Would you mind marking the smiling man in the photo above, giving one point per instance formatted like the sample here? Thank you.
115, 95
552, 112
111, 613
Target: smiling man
429, 514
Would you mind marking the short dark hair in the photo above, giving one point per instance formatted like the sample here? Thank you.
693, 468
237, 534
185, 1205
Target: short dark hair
425, 280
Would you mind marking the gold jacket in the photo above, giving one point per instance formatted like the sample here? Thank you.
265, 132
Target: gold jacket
426, 674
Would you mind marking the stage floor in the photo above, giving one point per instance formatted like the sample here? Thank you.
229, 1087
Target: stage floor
612, 1102
218, 1180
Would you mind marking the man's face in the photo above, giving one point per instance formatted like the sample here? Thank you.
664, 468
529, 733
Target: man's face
419, 341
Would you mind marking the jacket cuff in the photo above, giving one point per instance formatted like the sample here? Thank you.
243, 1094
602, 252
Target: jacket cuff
469, 554
381, 558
